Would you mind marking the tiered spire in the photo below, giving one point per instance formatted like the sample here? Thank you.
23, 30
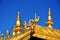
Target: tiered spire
17, 27
49, 20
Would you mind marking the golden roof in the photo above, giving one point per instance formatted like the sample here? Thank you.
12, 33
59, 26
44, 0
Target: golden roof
44, 32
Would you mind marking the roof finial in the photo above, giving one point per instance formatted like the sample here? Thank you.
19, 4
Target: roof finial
18, 19
25, 25
17, 28
49, 20
8, 33
35, 15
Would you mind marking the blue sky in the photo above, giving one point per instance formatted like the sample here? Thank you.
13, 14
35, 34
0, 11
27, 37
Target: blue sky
27, 8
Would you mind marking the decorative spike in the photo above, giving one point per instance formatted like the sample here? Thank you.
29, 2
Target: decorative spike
49, 15
35, 15
18, 19
8, 33
49, 11
35, 18
49, 20
38, 18
25, 24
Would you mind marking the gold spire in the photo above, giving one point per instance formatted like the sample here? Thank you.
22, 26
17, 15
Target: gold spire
49, 20
49, 15
18, 19
17, 27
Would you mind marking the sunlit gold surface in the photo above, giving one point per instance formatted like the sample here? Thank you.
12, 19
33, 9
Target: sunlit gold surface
44, 32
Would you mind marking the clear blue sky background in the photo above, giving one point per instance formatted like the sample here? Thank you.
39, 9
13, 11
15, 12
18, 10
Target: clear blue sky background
9, 9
